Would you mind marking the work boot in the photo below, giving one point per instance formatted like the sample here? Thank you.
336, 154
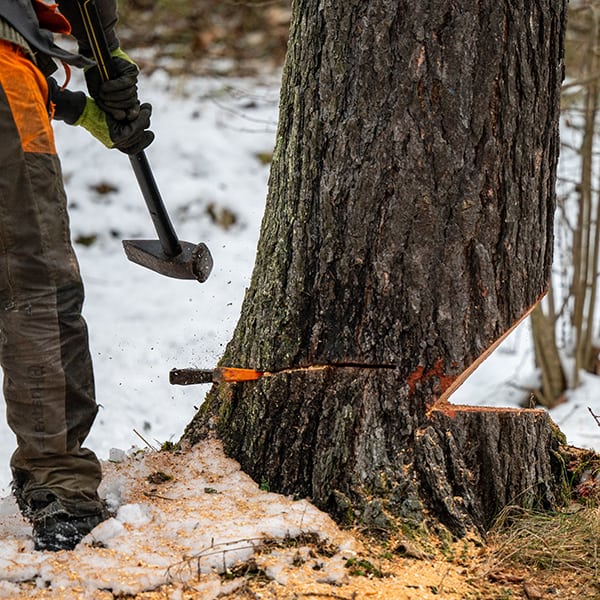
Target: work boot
55, 528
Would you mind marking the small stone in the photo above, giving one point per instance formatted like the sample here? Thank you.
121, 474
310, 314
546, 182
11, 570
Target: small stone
533, 592
115, 455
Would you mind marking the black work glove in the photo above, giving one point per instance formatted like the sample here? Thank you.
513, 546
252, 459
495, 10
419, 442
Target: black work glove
130, 137
64, 105
75, 108
118, 96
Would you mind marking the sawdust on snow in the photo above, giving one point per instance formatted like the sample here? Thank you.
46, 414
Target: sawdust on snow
191, 524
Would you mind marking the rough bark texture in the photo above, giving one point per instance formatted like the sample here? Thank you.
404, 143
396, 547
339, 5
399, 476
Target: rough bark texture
408, 226
355, 442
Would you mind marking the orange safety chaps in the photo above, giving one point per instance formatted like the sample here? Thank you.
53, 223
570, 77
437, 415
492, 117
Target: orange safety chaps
48, 379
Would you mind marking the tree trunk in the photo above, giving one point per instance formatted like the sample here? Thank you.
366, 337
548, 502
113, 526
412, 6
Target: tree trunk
585, 240
547, 356
408, 226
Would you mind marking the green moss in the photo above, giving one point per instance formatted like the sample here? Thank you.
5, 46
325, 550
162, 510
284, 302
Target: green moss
557, 434
159, 477
360, 567
344, 509
225, 407
170, 446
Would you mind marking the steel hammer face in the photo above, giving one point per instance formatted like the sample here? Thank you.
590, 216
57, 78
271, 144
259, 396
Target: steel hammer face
193, 262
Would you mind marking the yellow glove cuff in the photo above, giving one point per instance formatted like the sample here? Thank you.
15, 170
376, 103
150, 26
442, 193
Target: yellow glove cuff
120, 53
94, 120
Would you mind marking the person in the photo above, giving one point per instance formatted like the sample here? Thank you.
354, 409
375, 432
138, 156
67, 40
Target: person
44, 354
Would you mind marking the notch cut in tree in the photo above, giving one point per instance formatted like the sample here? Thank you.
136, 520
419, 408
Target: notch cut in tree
408, 225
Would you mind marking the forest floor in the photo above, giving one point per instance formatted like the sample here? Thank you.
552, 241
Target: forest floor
536, 557
190, 525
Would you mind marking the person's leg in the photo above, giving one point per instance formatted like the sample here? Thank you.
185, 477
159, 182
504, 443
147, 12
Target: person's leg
48, 380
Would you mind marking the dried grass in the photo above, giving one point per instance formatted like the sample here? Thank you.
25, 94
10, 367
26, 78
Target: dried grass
563, 541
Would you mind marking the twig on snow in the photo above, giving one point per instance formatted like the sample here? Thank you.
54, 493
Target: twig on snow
145, 440
596, 417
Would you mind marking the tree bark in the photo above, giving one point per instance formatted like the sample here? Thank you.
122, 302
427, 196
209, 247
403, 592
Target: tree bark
408, 226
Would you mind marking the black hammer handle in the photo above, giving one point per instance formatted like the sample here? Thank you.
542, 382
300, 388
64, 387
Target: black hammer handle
141, 167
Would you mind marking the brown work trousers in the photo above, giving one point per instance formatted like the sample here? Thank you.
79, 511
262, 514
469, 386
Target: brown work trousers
48, 379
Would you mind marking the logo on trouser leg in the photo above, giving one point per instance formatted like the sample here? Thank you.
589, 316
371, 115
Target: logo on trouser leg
37, 377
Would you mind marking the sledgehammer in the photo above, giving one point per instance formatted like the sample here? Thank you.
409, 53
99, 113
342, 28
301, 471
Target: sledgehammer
168, 255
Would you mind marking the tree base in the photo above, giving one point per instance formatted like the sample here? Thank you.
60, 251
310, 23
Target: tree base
354, 441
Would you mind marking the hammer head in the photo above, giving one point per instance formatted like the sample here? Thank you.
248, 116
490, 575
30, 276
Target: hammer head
193, 262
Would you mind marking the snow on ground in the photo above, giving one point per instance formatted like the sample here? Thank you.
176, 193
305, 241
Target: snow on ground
192, 525
180, 520
212, 135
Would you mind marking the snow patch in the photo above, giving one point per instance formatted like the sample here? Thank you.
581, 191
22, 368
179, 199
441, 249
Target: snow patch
134, 514
182, 531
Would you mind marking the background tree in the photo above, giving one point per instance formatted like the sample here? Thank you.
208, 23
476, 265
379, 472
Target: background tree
408, 227
565, 330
